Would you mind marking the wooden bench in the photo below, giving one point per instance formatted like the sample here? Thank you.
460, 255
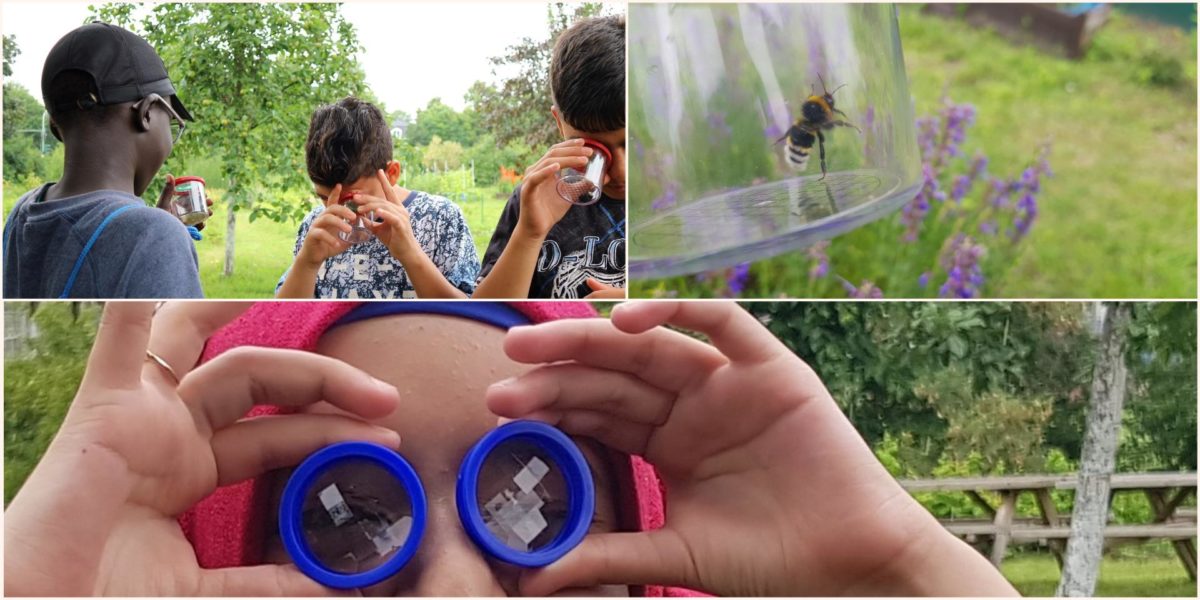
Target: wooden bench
1165, 492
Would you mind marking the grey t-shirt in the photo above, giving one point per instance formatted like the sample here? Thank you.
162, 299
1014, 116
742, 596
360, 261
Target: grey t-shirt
143, 252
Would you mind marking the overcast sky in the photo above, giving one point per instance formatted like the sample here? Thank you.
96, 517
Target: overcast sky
412, 52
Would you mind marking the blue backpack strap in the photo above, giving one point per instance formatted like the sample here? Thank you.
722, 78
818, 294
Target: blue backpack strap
88, 248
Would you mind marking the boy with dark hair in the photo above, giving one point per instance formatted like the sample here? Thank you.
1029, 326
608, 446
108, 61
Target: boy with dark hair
89, 235
420, 244
544, 246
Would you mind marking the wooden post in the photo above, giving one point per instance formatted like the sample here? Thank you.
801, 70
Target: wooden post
1003, 523
1163, 511
1050, 518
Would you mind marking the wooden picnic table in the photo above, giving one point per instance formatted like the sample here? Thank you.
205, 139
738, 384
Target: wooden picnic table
1166, 493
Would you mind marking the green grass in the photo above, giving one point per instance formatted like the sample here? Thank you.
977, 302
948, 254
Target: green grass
1119, 217
1163, 576
264, 248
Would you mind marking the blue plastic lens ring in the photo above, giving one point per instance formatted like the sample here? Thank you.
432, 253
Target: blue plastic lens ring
291, 528
581, 503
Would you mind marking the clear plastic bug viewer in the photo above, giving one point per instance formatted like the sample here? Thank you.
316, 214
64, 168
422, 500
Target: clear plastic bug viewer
713, 88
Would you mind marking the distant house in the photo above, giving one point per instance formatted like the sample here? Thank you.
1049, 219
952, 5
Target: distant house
399, 126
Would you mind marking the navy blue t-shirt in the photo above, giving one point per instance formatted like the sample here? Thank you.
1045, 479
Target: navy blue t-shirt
143, 252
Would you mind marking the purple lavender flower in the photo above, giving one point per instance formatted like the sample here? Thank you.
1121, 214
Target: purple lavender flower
958, 118
737, 278
964, 276
820, 266
962, 184
717, 123
772, 131
988, 227
923, 280
1026, 213
928, 130
866, 290
914, 213
979, 166
1000, 193
668, 199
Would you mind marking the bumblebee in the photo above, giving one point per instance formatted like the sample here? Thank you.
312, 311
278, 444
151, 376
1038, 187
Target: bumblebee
817, 114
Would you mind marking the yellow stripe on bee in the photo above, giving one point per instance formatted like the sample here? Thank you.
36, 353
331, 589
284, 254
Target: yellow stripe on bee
821, 101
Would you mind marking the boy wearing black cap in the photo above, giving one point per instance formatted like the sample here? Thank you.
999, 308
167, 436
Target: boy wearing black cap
545, 247
89, 235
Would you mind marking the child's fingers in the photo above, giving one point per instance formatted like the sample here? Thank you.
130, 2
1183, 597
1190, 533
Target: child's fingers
260, 581
567, 386
734, 332
332, 221
659, 557
665, 359
120, 346
327, 240
252, 447
335, 196
180, 330
339, 211
388, 191
614, 432
224, 389
540, 172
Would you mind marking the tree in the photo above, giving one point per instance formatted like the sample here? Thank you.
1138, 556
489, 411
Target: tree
443, 154
1081, 565
23, 147
519, 108
11, 51
437, 119
252, 75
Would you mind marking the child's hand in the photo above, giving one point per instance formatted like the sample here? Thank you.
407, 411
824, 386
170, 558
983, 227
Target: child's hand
603, 292
98, 514
769, 489
392, 224
165, 197
541, 206
322, 240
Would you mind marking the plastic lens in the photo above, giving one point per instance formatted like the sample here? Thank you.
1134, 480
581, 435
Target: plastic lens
361, 231
352, 514
522, 495
584, 187
525, 494
356, 515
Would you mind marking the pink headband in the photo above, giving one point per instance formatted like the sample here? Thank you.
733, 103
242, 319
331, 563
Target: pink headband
227, 528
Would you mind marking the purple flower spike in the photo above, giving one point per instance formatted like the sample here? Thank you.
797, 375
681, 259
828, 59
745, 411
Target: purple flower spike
964, 275
738, 278
962, 184
668, 199
820, 266
923, 280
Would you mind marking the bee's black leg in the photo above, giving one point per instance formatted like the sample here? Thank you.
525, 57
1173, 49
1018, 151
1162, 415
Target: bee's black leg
821, 145
845, 124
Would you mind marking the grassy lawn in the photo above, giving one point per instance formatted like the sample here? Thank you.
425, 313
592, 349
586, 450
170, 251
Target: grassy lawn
264, 248
1118, 219
1037, 575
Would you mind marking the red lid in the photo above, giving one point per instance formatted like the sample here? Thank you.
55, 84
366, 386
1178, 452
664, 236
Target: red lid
601, 147
179, 180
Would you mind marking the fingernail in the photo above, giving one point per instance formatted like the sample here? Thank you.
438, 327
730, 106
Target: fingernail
504, 382
387, 387
390, 436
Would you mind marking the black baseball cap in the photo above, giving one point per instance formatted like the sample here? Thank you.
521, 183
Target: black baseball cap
123, 66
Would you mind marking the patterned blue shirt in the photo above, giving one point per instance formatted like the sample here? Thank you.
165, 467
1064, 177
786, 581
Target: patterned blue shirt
368, 270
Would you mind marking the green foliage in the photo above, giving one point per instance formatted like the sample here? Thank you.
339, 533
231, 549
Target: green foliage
1161, 407
251, 74
925, 372
11, 51
22, 138
442, 154
437, 120
38, 389
518, 109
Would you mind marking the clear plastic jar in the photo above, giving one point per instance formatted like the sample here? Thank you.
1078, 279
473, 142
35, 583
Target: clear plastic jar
715, 90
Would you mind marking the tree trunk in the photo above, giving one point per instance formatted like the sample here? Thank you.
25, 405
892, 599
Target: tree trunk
1081, 566
230, 225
